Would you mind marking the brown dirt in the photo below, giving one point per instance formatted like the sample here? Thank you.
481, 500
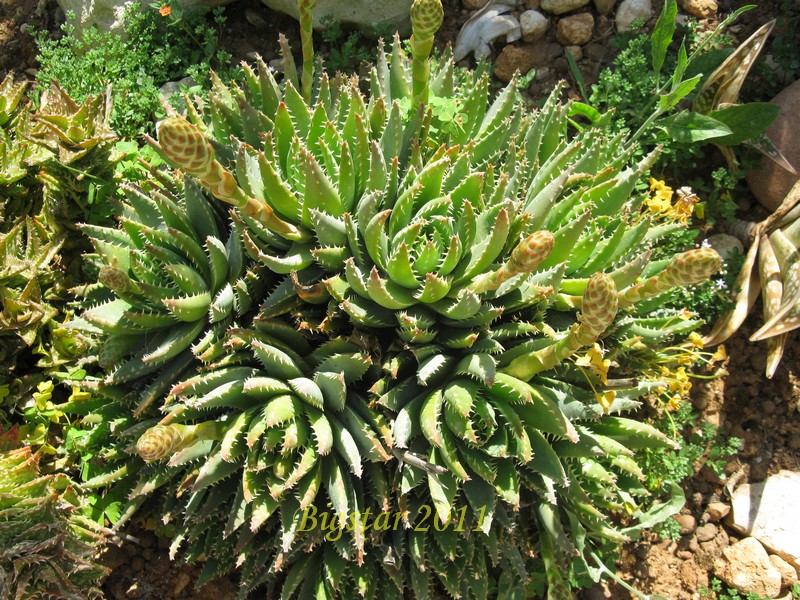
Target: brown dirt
18, 19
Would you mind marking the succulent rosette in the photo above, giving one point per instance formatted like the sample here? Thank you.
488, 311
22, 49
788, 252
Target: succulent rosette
460, 305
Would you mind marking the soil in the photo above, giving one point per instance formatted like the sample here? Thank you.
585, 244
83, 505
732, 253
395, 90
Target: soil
762, 413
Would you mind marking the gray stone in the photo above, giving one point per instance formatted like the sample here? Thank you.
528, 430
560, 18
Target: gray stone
364, 14
725, 245
575, 30
533, 25
746, 567
630, 10
108, 14
173, 87
769, 181
560, 7
768, 511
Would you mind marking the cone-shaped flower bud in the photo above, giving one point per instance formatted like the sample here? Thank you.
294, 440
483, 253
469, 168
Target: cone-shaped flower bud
426, 18
693, 266
598, 308
526, 256
306, 10
114, 279
186, 146
162, 440
532, 251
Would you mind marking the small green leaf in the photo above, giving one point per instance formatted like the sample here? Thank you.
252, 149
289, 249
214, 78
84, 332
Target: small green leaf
684, 88
663, 33
691, 127
745, 121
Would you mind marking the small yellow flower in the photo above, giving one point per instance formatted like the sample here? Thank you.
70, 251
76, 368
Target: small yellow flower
165, 10
593, 359
720, 355
674, 403
696, 339
685, 315
661, 200
684, 206
680, 383
606, 399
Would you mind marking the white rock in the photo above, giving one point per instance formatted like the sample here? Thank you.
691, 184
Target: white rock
767, 510
482, 28
173, 87
725, 245
533, 25
364, 14
559, 7
746, 567
108, 14
630, 10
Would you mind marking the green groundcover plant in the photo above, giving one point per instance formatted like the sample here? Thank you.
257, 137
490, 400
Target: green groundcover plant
153, 49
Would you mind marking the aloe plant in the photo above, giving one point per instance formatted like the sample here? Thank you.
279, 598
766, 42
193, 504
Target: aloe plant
442, 307
47, 547
770, 269
170, 281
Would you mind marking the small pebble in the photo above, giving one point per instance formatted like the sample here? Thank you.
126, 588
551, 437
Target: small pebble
687, 523
707, 532
717, 511
181, 582
575, 51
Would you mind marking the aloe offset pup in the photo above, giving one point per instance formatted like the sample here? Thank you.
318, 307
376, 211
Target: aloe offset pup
456, 313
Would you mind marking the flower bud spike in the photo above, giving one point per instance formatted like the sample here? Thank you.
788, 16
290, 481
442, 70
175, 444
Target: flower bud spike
426, 18
599, 308
689, 268
526, 256
306, 10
